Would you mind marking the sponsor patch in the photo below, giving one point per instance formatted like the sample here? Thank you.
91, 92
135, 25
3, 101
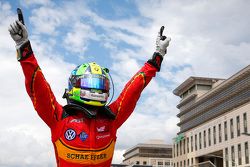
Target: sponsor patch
101, 129
102, 136
83, 136
70, 134
77, 120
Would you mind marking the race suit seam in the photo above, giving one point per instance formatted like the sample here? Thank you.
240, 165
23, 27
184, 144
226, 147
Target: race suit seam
32, 84
51, 99
32, 87
139, 74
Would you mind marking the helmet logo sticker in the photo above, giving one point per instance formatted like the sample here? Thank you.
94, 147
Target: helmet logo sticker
70, 134
83, 136
82, 93
96, 68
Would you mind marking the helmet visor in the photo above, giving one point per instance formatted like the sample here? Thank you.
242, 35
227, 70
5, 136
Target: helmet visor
93, 81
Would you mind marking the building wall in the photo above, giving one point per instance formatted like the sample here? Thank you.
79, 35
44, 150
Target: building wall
154, 153
184, 156
155, 162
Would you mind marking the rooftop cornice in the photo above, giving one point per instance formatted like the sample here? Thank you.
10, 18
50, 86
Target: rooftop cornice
145, 145
191, 81
236, 77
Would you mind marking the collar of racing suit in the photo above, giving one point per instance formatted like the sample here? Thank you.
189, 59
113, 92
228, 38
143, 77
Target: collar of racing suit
72, 109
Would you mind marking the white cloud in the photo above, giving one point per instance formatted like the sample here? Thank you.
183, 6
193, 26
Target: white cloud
207, 35
23, 146
76, 40
36, 2
46, 20
118, 156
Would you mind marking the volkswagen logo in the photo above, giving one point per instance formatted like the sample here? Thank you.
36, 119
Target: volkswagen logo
70, 134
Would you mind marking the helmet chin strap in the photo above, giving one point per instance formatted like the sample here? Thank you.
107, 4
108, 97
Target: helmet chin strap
90, 111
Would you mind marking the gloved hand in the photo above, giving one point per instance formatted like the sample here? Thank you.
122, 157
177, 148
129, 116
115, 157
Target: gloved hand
162, 43
19, 34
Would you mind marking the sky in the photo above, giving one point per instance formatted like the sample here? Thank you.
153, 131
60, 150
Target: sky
209, 39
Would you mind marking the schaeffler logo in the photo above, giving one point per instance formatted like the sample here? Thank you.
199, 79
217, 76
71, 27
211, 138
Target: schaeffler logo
70, 134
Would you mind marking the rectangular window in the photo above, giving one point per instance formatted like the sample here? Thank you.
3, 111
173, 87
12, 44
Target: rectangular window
195, 142
226, 157
160, 163
173, 150
233, 156
192, 142
180, 147
192, 161
239, 155
246, 153
184, 146
209, 137
184, 163
188, 163
232, 128
204, 139
200, 140
177, 149
214, 134
188, 145
225, 130
220, 134
245, 122
238, 125
203, 87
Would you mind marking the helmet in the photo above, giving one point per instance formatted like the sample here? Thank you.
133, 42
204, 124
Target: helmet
89, 84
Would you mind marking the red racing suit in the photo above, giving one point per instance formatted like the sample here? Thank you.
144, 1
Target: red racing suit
77, 139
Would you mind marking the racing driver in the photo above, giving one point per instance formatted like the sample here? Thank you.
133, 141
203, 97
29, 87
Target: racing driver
83, 131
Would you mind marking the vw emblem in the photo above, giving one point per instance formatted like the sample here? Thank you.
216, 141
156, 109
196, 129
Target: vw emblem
70, 134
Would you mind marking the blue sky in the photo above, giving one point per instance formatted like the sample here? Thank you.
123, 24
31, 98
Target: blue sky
209, 39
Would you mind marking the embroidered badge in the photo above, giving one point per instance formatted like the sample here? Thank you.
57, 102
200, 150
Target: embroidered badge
83, 136
103, 128
100, 129
80, 120
70, 134
102, 136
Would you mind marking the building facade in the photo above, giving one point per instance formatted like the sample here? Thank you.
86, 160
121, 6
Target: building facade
214, 121
154, 153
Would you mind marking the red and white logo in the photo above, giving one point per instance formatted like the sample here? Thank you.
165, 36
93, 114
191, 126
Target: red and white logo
102, 129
